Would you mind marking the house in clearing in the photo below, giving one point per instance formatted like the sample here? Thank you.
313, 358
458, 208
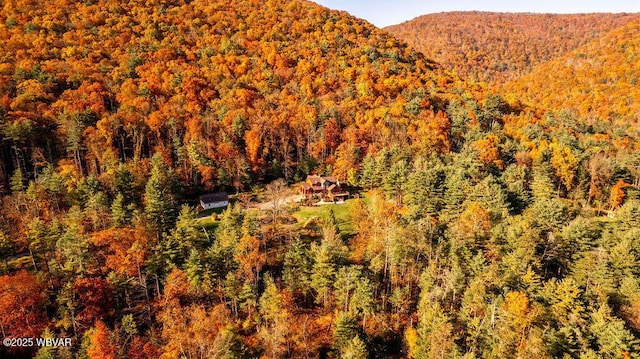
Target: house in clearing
214, 200
327, 188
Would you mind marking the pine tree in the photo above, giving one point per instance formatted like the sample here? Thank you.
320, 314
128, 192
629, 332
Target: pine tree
345, 284
47, 352
124, 183
490, 194
362, 299
6, 249
613, 338
424, 190
73, 242
394, 178
160, 205
345, 329
355, 349
16, 181
97, 209
193, 268
323, 272
119, 214
454, 195
436, 338
232, 290
514, 179
187, 231
275, 317
381, 168
230, 229
542, 186
367, 173
297, 268
247, 297
332, 222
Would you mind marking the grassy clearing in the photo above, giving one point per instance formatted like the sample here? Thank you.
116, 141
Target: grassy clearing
341, 211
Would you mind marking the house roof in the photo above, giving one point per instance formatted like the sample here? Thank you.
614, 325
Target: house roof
321, 179
214, 197
313, 179
330, 179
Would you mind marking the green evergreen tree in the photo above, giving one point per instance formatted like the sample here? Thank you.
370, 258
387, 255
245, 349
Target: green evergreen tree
581, 235
541, 185
125, 183
424, 191
345, 329
160, 204
355, 349
6, 249
194, 269
275, 327
297, 268
381, 168
490, 194
232, 289
362, 299
627, 217
188, 231
593, 273
53, 184
454, 195
97, 210
73, 243
612, 336
218, 261
247, 297
436, 338
119, 213
345, 284
323, 272
230, 228
47, 352
16, 182
367, 173
514, 179
332, 222
395, 178
549, 215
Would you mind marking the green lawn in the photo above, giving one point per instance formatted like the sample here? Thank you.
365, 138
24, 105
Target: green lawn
341, 211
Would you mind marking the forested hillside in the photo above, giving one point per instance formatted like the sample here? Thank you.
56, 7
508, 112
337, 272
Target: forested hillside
477, 227
599, 79
497, 47
237, 91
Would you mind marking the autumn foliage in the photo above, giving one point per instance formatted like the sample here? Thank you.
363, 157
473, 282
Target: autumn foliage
481, 220
498, 47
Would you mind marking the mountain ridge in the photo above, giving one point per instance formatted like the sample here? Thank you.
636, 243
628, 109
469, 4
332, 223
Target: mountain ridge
496, 47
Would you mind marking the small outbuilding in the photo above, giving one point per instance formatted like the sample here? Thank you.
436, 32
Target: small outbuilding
214, 200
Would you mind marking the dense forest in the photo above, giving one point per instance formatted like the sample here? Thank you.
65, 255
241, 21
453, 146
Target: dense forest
483, 225
498, 47
598, 79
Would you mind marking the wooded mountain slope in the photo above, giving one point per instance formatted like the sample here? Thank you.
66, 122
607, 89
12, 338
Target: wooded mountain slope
226, 91
496, 47
479, 229
597, 79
